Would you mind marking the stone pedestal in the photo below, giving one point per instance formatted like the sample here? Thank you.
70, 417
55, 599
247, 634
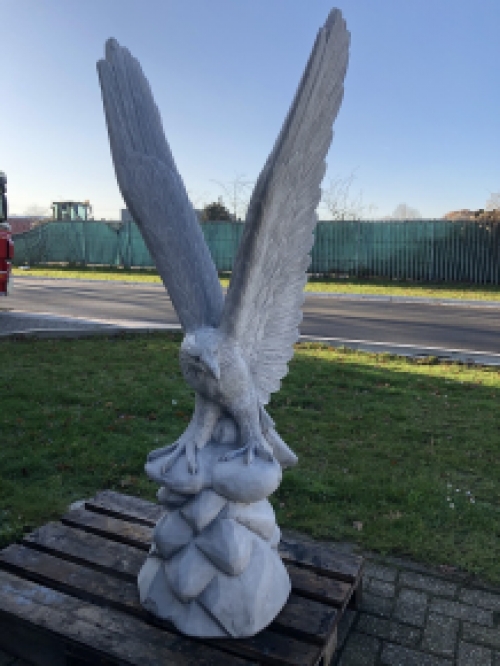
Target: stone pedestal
213, 569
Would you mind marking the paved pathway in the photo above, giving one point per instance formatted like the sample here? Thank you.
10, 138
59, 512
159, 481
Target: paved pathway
416, 616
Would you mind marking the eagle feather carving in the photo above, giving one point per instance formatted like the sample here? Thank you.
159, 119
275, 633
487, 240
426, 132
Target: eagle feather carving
235, 351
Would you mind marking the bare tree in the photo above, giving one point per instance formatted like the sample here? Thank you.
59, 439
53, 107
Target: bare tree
35, 210
493, 202
405, 212
340, 203
236, 192
197, 199
337, 198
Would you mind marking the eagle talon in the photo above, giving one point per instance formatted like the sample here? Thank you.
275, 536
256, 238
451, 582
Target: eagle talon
249, 451
164, 450
178, 449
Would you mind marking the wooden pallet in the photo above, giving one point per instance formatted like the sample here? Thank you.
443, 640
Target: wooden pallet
68, 597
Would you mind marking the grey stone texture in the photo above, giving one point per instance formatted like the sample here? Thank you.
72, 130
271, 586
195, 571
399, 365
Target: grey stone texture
473, 655
380, 588
411, 607
396, 655
475, 633
440, 634
377, 605
380, 572
462, 611
212, 573
389, 630
428, 584
481, 598
360, 650
434, 618
213, 568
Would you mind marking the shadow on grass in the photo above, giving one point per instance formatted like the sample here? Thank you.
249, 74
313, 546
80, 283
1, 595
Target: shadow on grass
400, 456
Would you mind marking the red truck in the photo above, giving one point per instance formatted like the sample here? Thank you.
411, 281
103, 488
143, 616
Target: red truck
6, 244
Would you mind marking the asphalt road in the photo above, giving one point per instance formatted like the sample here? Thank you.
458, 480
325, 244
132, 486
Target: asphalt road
401, 323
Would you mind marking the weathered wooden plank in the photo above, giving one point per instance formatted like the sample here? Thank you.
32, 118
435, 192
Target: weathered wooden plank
101, 633
273, 649
131, 508
69, 577
314, 586
133, 534
29, 643
96, 556
328, 650
322, 559
306, 619
78, 546
313, 556
267, 648
302, 618
305, 582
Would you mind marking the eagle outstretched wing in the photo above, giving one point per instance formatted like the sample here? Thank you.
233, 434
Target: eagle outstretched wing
262, 310
154, 191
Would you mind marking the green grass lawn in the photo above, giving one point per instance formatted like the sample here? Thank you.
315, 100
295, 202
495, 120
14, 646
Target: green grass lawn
400, 456
330, 285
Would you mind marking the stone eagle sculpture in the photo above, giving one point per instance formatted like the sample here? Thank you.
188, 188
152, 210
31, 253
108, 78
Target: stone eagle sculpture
235, 350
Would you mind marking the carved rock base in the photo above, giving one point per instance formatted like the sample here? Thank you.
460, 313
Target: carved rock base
213, 569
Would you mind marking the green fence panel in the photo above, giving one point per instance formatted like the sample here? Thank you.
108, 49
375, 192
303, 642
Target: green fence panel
464, 251
223, 239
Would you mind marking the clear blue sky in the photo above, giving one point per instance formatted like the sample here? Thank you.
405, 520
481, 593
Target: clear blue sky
420, 121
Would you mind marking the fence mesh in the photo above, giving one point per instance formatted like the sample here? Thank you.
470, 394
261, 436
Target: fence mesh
419, 250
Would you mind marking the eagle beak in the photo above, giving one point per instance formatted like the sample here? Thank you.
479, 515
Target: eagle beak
212, 364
